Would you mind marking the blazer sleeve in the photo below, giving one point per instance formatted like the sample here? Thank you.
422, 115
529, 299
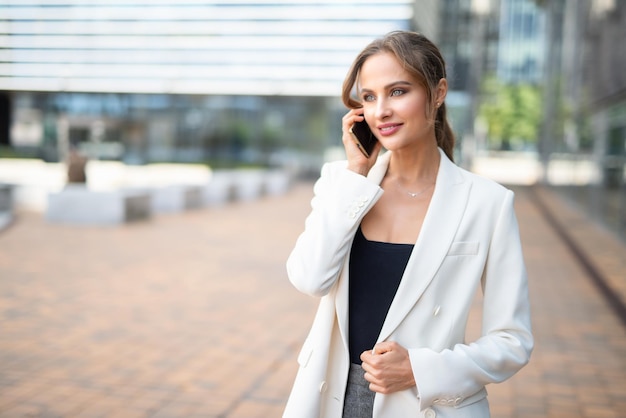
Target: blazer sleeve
341, 199
506, 342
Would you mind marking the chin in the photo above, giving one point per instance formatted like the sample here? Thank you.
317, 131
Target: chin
395, 145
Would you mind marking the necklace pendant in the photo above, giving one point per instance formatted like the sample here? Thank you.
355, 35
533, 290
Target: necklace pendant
416, 194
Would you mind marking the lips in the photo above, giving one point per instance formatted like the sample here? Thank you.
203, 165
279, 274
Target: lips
389, 128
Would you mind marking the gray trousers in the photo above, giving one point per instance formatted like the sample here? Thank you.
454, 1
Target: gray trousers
359, 400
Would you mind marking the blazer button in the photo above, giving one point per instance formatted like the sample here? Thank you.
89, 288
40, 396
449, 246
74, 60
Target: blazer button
429, 413
323, 387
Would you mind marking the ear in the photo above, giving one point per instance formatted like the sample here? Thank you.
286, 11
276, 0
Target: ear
441, 91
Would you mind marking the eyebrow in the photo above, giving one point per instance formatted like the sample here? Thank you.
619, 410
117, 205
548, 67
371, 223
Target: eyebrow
394, 84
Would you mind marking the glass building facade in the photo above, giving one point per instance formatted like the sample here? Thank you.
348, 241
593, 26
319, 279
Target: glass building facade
521, 43
189, 80
594, 83
251, 81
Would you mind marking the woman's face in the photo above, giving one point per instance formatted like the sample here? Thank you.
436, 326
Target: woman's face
394, 103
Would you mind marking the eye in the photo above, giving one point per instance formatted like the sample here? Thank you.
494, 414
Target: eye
397, 92
368, 97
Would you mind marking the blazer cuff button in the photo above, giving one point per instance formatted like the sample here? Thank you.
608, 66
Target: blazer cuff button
323, 387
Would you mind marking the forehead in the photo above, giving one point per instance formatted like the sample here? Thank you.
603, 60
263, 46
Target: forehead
382, 69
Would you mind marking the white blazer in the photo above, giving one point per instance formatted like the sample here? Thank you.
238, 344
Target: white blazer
469, 238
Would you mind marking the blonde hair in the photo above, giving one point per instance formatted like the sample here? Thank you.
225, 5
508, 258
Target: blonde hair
420, 58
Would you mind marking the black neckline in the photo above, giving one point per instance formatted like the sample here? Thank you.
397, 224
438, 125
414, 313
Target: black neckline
383, 243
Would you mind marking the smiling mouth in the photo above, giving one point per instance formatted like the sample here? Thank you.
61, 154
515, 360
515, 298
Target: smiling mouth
388, 128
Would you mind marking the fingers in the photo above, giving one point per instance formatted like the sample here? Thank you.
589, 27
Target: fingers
357, 161
354, 115
379, 381
349, 141
385, 347
387, 367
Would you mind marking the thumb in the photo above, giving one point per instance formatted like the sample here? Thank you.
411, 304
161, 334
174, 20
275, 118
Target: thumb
382, 347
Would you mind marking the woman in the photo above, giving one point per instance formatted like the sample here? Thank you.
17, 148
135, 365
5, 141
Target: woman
396, 246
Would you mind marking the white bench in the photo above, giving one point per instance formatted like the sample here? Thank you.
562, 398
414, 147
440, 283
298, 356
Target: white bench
244, 185
6, 197
249, 184
76, 204
277, 182
176, 198
6, 205
221, 188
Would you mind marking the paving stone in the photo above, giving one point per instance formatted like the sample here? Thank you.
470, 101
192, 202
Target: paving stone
191, 315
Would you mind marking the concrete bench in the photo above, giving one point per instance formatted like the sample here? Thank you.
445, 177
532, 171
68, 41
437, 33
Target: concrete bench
76, 204
249, 184
277, 182
176, 198
245, 185
221, 188
6, 205
6, 197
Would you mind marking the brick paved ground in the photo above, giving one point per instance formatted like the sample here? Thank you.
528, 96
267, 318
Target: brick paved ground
191, 315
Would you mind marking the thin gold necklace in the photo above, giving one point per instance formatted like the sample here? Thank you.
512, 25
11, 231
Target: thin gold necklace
414, 194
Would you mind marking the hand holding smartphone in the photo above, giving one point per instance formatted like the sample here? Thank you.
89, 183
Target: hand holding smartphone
364, 137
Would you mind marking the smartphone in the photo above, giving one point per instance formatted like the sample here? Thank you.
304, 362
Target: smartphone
364, 137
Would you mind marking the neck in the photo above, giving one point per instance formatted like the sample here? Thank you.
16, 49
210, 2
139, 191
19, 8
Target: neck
414, 167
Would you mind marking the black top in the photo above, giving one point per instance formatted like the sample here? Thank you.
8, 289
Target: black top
376, 269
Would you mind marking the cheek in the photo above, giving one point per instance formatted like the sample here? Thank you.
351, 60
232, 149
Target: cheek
370, 114
416, 106
417, 109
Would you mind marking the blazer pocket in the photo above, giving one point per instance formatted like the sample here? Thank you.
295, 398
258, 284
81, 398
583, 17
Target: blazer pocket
463, 248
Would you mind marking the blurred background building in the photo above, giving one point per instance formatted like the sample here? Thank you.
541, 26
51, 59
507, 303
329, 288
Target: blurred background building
258, 82
193, 80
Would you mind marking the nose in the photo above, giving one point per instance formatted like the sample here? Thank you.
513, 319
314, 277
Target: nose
383, 110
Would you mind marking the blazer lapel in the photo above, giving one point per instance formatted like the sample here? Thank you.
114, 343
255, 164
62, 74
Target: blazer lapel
440, 225
376, 175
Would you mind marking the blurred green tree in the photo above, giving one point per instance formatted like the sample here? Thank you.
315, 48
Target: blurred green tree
512, 113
